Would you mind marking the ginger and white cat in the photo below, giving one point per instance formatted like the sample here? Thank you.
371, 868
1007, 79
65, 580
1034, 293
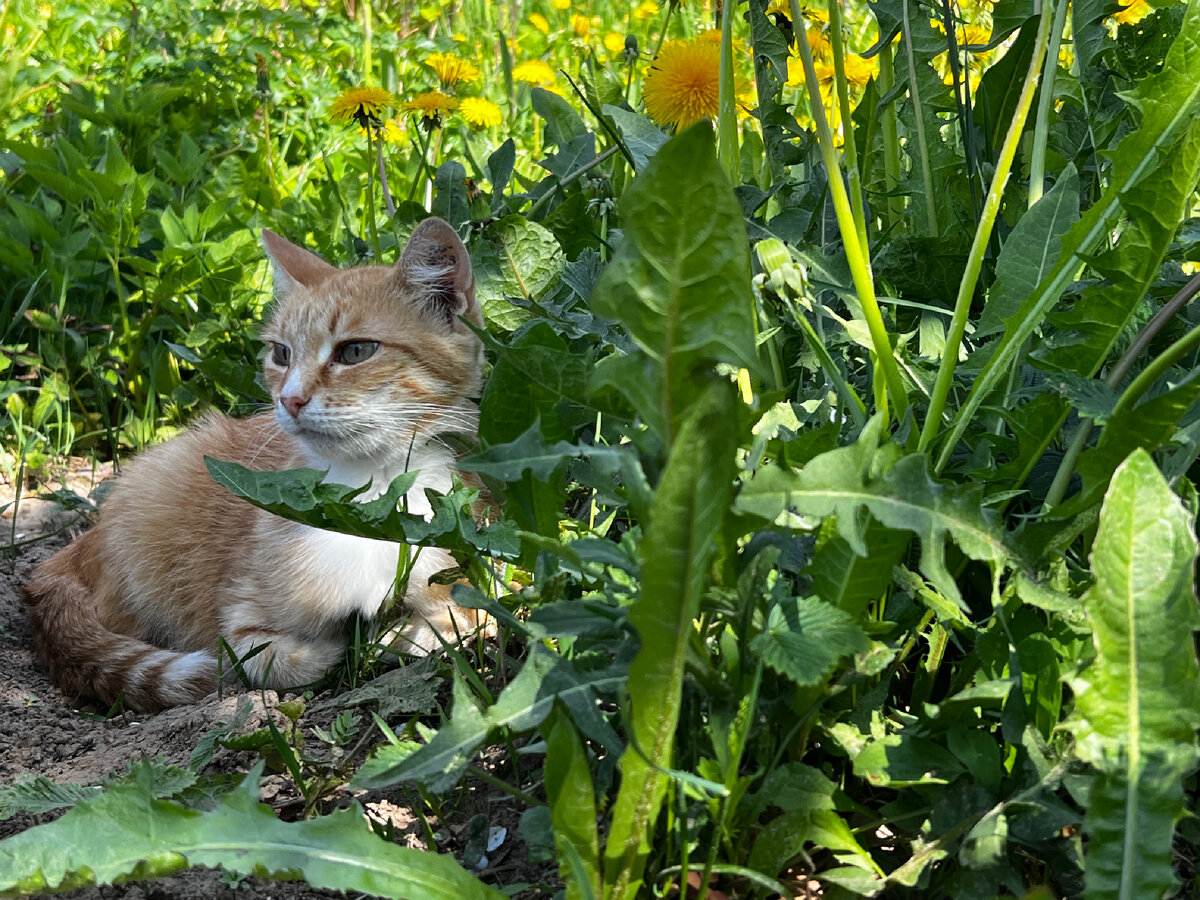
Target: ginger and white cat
366, 367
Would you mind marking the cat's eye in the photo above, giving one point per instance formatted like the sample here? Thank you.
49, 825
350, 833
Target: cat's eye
281, 354
353, 352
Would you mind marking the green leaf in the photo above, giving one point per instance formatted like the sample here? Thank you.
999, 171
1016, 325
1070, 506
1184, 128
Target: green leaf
840, 483
522, 706
680, 541
1030, 251
126, 832
572, 808
680, 282
849, 580
642, 137
1154, 173
514, 258
1137, 705
805, 638
562, 122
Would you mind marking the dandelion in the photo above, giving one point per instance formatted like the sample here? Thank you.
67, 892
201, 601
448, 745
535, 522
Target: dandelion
581, 25
480, 112
362, 104
1132, 12
451, 69
534, 71
393, 132
561, 5
645, 10
683, 84
614, 43
858, 70
538, 21
431, 106
818, 43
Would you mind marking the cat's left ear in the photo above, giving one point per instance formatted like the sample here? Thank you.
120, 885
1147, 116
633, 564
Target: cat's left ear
436, 268
293, 266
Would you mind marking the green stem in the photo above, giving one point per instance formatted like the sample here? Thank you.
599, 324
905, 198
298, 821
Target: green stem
1139, 386
919, 120
1041, 127
726, 103
572, 176
991, 207
890, 123
849, 148
857, 253
371, 199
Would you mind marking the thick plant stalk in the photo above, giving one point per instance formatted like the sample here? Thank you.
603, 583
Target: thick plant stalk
889, 122
849, 147
922, 143
857, 253
991, 207
727, 129
1041, 127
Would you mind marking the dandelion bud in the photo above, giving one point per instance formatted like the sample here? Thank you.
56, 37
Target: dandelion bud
630, 54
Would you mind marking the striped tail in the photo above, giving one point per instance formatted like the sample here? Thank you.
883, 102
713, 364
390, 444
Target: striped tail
86, 659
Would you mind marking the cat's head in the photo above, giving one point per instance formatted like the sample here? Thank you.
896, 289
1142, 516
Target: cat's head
363, 362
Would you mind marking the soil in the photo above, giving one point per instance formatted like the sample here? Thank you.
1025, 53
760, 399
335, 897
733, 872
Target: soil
41, 733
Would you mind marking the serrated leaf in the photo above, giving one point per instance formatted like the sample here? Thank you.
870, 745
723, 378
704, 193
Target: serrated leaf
839, 483
522, 706
1137, 704
805, 638
126, 831
642, 137
680, 282
514, 258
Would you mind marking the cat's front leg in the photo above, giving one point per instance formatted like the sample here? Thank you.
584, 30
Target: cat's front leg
272, 657
430, 611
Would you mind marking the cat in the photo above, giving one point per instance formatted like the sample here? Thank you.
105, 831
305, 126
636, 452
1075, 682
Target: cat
366, 367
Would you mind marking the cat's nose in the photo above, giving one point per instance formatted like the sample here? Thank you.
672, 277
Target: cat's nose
293, 403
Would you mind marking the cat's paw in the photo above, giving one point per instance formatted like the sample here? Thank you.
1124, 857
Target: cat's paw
419, 635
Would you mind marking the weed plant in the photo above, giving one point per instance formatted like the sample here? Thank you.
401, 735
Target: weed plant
842, 408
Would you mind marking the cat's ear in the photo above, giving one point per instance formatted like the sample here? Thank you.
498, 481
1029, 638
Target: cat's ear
436, 268
294, 266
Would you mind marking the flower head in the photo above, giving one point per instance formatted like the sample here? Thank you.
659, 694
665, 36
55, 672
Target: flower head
533, 71
858, 70
451, 69
538, 21
683, 84
361, 104
581, 25
480, 112
614, 43
430, 106
1132, 12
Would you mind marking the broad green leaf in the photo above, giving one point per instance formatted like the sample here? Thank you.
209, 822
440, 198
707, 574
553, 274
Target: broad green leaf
562, 121
1137, 704
522, 706
642, 137
1154, 172
514, 258
528, 453
1030, 251
680, 541
302, 496
680, 282
849, 580
805, 638
126, 832
572, 808
841, 482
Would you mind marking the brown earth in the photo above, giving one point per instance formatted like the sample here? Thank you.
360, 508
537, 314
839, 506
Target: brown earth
41, 733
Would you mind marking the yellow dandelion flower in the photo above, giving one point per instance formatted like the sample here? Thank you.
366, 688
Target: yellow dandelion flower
431, 106
818, 15
480, 112
683, 83
394, 132
561, 5
858, 70
818, 43
645, 10
782, 7
614, 43
533, 71
451, 69
975, 35
361, 104
1132, 12
538, 21
581, 25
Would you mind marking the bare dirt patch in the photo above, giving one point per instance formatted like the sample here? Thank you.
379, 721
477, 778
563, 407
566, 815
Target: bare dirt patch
42, 733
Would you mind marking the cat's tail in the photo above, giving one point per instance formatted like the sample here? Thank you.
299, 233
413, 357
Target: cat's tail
86, 659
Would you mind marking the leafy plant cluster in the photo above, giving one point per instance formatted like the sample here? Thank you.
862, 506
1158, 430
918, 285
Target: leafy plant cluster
847, 478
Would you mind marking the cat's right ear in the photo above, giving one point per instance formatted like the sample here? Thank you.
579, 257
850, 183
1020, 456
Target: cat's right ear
293, 266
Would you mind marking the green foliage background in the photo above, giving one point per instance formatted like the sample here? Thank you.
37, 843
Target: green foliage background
846, 450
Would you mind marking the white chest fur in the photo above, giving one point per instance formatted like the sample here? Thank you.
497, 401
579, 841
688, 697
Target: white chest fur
344, 573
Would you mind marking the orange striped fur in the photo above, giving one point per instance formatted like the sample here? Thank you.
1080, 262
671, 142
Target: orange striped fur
135, 607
